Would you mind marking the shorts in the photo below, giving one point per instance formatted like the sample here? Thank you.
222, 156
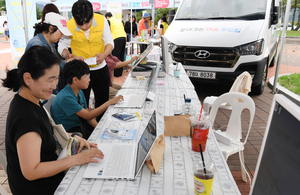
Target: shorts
6, 32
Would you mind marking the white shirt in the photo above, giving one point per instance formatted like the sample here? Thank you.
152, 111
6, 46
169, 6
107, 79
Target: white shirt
65, 42
5, 27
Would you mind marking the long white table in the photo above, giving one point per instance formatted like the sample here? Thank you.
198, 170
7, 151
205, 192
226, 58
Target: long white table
170, 81
175, 175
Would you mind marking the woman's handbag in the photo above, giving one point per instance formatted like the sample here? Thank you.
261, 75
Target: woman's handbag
59, 134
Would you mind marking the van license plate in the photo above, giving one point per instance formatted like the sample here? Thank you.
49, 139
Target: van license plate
204, 75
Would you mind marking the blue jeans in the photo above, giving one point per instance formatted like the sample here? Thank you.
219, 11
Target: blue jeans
128, 35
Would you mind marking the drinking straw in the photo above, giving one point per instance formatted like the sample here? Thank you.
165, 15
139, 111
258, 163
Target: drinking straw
203, 161
200, 112
200, 116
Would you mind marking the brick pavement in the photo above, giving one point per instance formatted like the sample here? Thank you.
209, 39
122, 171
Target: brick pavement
252, 148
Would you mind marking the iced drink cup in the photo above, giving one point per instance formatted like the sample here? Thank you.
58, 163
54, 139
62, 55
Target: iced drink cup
200, 131
203, 179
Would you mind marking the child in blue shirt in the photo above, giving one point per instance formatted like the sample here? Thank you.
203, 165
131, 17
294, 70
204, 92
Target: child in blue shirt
70, 105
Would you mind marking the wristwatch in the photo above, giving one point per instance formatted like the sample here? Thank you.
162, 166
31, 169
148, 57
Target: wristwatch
76, 133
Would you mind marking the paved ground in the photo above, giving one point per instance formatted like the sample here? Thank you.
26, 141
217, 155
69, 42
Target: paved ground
252, 148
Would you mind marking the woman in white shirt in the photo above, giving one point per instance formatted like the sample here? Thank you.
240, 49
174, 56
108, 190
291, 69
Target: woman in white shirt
5, 25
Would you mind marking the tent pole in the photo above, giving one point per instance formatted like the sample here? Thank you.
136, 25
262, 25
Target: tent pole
130, 49
153, 20
286, 20
24, 8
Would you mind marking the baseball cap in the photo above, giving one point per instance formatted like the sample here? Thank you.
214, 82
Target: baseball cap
146, 14
59, 21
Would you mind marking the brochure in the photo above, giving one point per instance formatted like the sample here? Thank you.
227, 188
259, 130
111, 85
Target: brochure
127, 116
120, 134
70, 149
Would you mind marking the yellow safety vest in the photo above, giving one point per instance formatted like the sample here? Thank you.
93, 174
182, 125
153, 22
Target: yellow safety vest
165, 25
117, 28
87, 48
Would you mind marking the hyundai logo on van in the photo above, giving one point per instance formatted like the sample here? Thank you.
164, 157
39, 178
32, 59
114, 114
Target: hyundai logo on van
202, 54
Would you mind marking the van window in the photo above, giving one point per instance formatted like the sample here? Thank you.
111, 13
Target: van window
222, 9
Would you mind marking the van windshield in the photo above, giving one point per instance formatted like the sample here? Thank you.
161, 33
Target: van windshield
222, 9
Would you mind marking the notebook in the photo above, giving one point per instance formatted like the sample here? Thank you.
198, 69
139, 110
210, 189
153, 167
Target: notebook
165, 54
142, 56
124, 160
137, 101
277, 170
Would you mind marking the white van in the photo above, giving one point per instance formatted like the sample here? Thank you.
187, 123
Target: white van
216, 40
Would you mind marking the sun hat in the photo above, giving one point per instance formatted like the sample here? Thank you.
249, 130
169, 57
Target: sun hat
146, 14
59, 21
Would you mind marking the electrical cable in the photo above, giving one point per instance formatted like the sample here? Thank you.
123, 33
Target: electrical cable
242, 163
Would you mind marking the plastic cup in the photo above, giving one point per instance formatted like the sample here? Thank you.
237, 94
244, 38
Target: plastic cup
199, 131
176, 73
203, 179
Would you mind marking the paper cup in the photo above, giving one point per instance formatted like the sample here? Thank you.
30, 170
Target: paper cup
176, 73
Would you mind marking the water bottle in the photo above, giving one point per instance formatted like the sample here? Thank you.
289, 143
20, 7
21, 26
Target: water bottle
187, 108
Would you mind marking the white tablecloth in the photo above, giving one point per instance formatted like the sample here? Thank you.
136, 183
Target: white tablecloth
175, 176
169, 81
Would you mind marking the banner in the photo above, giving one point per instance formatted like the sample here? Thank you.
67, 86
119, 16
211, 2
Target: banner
66, 5
115, 8
16, 26
161, 3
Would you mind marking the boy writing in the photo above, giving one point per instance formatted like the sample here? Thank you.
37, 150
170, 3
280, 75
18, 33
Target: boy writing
69, 106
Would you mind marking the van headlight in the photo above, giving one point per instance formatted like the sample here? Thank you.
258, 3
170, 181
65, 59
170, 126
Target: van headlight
254, 48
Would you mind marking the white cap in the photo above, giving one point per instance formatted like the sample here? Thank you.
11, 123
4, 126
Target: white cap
59, 21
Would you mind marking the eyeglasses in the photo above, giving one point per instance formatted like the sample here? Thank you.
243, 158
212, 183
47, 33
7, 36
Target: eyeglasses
86, 76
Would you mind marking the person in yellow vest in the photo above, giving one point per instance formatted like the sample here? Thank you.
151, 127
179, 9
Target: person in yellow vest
163, 27
91, 37
119, 37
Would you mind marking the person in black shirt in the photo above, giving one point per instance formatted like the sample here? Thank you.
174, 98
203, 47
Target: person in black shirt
134, 33
32, 165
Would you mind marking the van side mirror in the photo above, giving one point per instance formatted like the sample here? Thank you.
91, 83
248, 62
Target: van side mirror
171, 15
274, 15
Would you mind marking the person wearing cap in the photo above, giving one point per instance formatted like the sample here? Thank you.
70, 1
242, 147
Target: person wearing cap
119, 37
91, 37
144, 25
49, 32
163, 27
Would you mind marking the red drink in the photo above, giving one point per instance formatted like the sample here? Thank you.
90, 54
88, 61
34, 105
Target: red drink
199, 137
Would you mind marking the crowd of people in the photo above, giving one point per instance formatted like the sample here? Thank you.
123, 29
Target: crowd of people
53, 62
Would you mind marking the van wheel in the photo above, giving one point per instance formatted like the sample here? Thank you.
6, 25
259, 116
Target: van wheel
259, 89
273, 62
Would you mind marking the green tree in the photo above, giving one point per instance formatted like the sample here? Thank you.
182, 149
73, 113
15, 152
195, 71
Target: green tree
2, 5
38, 13
295, 4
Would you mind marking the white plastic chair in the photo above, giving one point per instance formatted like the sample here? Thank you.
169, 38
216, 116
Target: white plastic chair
3, 163
49, 103
241, 84
238, 101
